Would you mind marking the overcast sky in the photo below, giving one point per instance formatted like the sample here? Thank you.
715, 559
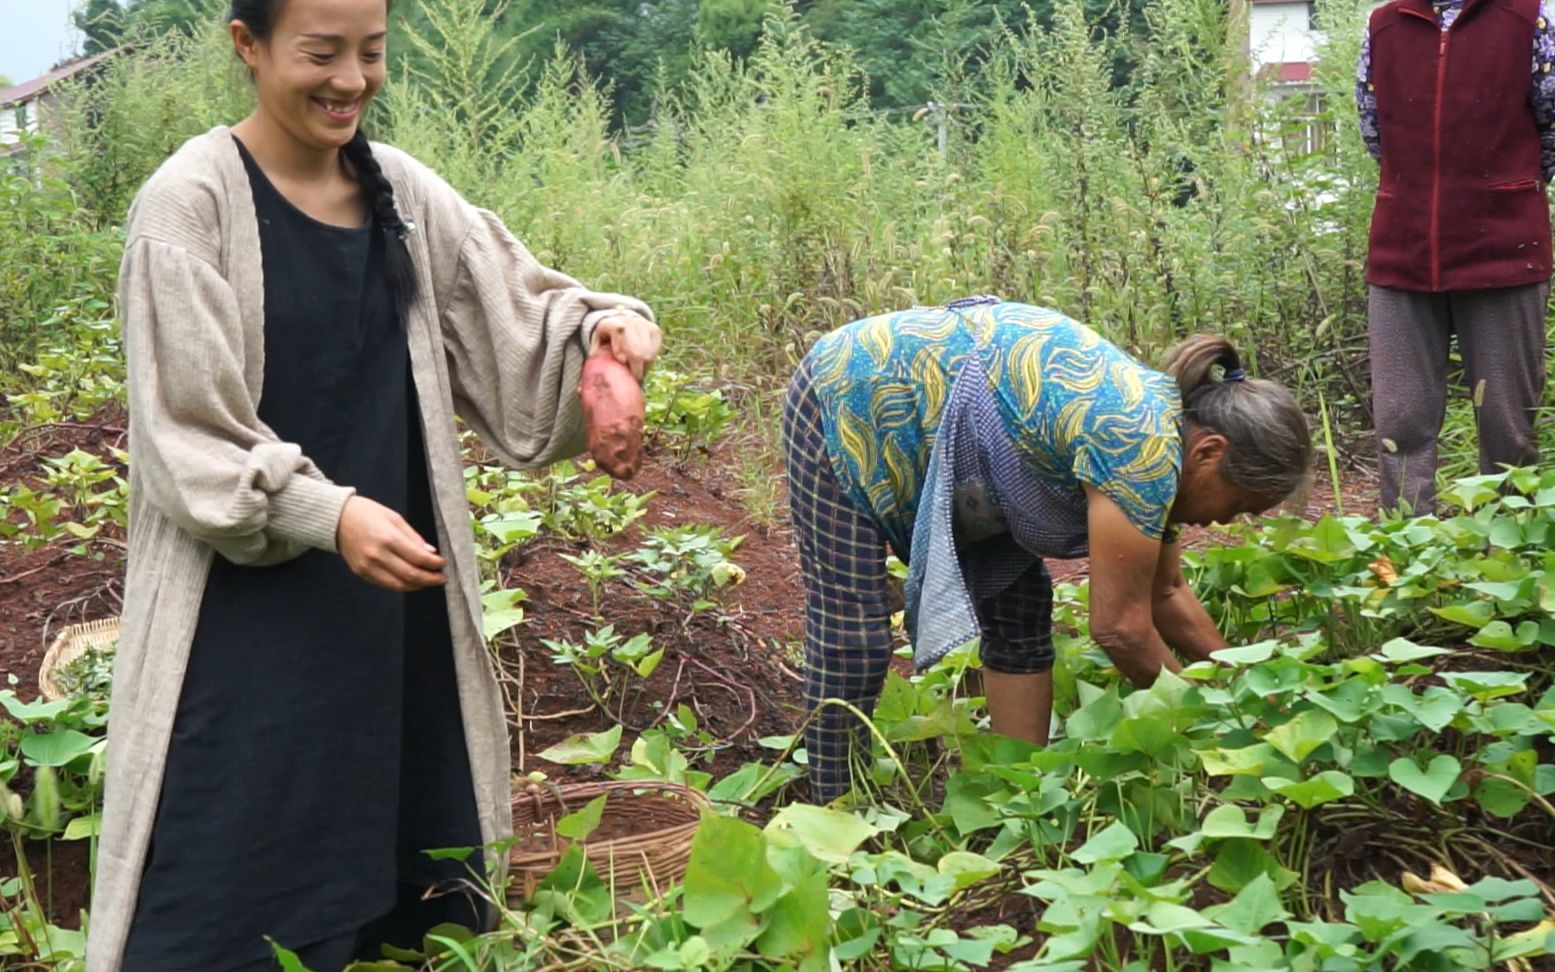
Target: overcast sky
34, 34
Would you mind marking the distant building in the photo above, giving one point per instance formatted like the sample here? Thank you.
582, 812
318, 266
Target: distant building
1283, 37
1282, 46
30, 107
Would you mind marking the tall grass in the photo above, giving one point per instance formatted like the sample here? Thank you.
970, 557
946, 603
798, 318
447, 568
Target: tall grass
50, 252
768, 202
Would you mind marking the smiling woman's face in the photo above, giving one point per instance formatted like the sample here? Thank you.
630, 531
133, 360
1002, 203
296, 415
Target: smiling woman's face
320, 66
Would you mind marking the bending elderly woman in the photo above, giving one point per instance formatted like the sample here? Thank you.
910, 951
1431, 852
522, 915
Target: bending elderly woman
982, 438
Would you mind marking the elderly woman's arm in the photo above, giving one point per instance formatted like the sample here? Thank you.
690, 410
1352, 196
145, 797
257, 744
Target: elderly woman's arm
1123, 567
1179, 616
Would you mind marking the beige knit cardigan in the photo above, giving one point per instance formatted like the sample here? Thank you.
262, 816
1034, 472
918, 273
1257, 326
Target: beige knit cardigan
494, 337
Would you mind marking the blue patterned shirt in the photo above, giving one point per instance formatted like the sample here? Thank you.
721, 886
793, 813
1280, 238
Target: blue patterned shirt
1541, 93
1076, 409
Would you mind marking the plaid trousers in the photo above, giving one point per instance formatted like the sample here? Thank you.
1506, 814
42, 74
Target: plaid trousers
848, 645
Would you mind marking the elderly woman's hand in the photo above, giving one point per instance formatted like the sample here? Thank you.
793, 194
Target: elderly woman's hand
632, 339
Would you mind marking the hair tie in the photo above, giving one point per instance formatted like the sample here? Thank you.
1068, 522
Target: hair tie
1235, 374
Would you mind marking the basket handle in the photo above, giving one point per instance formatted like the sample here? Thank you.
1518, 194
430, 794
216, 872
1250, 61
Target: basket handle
536, 796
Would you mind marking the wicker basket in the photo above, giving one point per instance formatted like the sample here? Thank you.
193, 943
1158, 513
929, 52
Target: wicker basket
71, 644
649, 828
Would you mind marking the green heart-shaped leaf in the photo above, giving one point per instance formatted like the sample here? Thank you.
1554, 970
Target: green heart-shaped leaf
579, 824
1229, 820
1325, 787
831, 835
1112, 844
1404, 650
1432, 783
1301, 735
57, 748
585, 747
1246, 654
1471, 614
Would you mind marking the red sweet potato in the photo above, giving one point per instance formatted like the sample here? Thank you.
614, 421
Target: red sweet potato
613, 411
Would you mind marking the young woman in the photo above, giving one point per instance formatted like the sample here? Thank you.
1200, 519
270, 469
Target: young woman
302, 698
979, 438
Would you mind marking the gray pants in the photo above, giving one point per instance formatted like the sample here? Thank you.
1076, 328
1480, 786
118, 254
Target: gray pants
1501, 339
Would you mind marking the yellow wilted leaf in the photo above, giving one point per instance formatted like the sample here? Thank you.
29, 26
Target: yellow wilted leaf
1382, 568
1415, 884
1535, 936
1441, 881
728, 573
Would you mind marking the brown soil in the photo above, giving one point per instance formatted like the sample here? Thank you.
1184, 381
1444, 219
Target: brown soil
44, 590
1020, 911
736, 667
61, 873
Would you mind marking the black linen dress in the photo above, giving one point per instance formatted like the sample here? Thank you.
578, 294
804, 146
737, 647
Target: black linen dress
317, 748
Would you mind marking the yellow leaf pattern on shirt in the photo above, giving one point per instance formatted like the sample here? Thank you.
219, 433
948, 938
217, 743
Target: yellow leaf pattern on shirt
1078, 408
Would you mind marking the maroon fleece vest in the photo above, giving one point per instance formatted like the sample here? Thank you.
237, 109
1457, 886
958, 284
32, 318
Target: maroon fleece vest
1461, 202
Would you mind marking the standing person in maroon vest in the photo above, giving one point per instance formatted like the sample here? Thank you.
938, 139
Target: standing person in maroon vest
1457, 100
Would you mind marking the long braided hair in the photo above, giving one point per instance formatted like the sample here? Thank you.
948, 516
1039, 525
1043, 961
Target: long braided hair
402, 272
259, 16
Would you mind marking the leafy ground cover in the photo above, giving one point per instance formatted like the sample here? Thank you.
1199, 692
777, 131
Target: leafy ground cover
1364, 782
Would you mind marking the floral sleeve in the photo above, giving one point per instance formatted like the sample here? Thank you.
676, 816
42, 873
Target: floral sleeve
1542, 96
1366, 100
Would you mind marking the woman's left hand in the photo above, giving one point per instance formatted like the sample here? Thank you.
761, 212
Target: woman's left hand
631, 338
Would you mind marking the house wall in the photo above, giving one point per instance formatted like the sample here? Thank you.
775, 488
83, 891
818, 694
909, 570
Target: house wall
12, 118
40, 114
1281, 33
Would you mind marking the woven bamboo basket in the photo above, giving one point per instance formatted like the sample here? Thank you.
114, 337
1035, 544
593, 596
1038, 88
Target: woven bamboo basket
71, 644
647, 830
